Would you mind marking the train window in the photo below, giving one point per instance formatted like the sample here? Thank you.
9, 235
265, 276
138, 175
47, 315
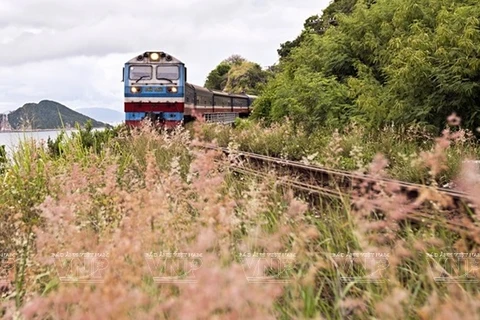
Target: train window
140, 72
239, 102
168, 72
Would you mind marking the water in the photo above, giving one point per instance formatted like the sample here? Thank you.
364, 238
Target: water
12, 139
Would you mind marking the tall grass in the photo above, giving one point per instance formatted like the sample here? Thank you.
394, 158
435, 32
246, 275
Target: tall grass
406, 148
173, 233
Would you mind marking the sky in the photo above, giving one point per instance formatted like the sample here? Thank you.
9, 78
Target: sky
73, 51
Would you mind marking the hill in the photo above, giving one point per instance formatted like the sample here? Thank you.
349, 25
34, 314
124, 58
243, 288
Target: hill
48, 115
103, 114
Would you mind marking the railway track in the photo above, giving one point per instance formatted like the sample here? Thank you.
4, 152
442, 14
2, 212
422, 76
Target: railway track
424, 204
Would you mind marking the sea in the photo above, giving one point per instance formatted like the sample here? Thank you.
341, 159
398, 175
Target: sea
12, 139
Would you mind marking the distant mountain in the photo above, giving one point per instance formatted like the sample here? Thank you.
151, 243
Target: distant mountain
48, 115
103, 114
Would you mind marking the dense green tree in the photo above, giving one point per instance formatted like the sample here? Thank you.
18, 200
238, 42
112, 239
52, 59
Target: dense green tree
3, 158
313, 24
237, 75
247, 77
318, 24
217, 78
398, 61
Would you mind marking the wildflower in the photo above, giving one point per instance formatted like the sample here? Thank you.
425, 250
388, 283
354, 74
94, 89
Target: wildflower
392, 306
453, 120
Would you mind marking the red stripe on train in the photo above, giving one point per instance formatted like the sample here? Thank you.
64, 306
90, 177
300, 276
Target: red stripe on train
154, 106
163, 124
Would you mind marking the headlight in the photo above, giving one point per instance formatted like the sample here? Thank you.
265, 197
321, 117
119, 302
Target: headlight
172, 89
134, 89
154, 56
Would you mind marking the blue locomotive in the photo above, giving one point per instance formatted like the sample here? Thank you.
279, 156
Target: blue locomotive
156, 89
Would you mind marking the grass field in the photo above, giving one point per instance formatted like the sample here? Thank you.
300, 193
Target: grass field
146, 225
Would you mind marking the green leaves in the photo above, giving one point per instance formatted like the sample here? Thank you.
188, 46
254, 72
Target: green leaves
398, 61
217, 79
237, 75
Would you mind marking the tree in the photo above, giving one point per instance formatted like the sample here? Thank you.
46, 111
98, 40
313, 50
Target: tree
386, 61
217, 78
246, 77
318, 24
237, 75
235, 59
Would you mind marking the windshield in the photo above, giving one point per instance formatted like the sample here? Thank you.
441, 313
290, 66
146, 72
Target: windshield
168, 72
140, 72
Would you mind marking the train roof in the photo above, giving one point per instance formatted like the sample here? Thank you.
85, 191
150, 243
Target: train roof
154, 57
220, 93
196, 87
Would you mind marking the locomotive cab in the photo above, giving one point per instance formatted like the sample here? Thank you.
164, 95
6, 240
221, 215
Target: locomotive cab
156, 91
154, 84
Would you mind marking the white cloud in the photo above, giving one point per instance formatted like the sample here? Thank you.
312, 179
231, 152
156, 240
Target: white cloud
73, 51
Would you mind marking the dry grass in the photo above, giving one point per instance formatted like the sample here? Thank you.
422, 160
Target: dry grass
174, 234
353, 148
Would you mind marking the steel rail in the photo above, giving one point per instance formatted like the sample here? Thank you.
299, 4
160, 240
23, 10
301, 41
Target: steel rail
343, 173
335, 175
417, 216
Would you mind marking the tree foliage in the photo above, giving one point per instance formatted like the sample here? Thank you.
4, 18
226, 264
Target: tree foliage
237, 75
399, 61
3, 158
86, 138
217, 78
317, 24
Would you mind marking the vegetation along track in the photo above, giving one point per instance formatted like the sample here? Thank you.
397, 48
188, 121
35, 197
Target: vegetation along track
419, 203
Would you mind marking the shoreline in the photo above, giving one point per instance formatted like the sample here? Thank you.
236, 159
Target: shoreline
44, 130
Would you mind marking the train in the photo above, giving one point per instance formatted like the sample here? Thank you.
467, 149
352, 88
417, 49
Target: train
156, 90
